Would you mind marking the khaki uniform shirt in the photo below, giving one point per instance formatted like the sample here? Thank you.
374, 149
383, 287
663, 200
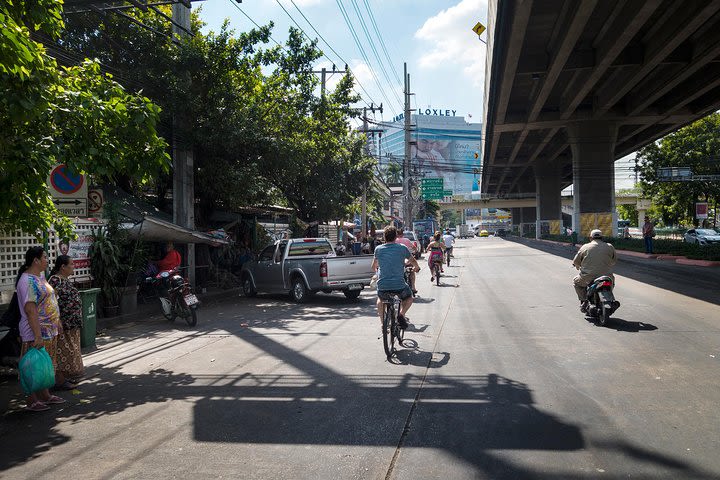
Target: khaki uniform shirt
595, 258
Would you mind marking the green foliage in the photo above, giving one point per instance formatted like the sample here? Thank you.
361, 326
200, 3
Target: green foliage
105, 265
258, 129
696, 146
51, 115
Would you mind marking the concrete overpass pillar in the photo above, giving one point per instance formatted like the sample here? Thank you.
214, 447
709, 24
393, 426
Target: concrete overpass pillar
549, 203
593, 149
527, 216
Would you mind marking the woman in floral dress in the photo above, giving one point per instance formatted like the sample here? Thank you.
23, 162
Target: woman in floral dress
69, 358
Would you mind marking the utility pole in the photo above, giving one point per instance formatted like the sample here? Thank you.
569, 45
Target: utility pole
363, 215
183, 162
407, 206
323, 77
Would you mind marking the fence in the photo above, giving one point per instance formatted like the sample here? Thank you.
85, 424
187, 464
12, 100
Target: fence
13, 246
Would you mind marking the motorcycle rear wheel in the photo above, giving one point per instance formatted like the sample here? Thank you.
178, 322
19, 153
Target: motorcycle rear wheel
604, 314
190, 316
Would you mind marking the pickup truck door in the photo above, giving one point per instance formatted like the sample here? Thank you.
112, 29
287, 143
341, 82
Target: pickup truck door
275, 280
262, 269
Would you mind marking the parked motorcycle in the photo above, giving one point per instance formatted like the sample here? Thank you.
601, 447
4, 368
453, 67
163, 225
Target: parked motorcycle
176, 296
601, 300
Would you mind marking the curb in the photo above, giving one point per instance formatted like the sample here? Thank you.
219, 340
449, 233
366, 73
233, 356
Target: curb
697, 263
629, 253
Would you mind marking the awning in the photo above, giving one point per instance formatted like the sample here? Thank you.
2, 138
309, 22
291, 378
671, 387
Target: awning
156, 230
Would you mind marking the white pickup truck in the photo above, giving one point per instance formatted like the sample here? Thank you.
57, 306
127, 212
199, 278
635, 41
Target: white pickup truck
304, 266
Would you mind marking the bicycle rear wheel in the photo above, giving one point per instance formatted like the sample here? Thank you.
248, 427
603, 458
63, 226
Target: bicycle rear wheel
437, 273
388, 335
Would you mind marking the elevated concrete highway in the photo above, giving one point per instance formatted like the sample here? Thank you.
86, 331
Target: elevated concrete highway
573, 85
523, 202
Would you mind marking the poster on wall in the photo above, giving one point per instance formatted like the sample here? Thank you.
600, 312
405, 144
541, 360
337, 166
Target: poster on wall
701, 210
78, 249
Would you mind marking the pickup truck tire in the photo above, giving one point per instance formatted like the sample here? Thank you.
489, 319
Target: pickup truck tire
248, 287
299, 291
352, 294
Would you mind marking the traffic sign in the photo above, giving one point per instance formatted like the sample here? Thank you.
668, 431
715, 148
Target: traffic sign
69, 191
432, 182
95, 202
479, 28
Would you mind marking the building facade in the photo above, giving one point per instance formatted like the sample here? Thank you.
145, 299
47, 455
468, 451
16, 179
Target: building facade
443, 146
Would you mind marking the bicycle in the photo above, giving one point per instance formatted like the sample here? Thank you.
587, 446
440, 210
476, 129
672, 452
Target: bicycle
390, 326
436, 270
448, 251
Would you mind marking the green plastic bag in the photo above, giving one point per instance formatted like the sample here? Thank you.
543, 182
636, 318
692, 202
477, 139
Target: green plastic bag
36, 370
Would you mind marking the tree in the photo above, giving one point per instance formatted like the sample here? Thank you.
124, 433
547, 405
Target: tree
259, 132
628, 212
50, 115
696, 146
393, 173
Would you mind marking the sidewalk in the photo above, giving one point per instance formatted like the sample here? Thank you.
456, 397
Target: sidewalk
146, 313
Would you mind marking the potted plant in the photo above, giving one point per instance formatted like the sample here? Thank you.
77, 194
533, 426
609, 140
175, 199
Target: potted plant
105, 269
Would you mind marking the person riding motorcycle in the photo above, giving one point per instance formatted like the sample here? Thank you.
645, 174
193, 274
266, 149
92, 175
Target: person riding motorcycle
435, 249
594, 259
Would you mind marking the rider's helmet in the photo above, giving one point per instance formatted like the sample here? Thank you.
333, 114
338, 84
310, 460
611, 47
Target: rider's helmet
596, 233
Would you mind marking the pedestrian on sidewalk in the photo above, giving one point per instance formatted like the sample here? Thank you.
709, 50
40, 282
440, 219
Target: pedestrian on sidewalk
69, 357
648, 232
39, 318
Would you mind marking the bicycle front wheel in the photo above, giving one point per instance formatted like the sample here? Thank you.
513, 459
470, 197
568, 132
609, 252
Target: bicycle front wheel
388, 336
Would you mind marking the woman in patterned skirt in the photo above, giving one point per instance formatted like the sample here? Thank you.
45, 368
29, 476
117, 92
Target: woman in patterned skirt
69, 358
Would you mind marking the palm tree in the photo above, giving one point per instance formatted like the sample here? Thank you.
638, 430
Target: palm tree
393, 173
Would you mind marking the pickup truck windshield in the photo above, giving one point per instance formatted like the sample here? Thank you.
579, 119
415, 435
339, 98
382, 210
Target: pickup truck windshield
310, 248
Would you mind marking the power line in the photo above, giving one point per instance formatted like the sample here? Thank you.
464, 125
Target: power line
234, 4
374, 50
382, 42
333, 50
346, 17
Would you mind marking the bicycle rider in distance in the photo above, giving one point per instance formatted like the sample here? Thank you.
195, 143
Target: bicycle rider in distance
389, 262
435, 249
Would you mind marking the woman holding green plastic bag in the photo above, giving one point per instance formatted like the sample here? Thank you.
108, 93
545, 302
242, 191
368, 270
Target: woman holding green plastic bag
40, 319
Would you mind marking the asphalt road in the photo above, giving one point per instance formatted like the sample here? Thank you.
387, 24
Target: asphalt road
503, 378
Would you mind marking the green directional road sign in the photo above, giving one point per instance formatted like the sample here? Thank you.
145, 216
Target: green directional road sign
432, 182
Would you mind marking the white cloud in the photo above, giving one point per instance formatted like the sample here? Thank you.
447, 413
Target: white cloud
451, 39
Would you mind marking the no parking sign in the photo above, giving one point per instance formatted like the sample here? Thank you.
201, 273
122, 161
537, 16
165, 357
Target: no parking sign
69, 191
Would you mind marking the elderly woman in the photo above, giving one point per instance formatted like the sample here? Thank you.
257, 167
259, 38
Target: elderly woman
70, 364
39, 318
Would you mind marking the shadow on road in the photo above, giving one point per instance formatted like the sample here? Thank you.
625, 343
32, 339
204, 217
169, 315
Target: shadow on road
623, 325
473, 418
696, 282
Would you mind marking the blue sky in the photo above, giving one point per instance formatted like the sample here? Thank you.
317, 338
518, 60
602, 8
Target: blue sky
446, 61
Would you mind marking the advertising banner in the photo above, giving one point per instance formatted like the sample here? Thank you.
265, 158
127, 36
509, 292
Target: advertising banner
452, 159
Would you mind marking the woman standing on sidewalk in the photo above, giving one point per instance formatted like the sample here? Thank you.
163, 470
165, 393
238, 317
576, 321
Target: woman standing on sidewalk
69, 358
39, 318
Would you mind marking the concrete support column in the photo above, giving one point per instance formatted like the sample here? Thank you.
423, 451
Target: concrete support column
593, 150
549, 203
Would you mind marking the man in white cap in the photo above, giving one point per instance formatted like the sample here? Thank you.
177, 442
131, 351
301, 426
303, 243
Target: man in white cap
594, 259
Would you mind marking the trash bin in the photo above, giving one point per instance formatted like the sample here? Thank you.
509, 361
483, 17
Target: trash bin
357, 248
89, 310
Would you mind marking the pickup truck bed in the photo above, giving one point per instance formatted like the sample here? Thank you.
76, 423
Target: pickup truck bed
302, 267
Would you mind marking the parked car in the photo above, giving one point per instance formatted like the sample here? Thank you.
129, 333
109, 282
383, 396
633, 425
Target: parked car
304, 266
483, 233
702, 236
417, 251
501, 232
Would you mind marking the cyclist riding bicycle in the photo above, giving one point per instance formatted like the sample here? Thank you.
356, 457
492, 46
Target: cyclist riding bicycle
435, 249
448, 240
390, 260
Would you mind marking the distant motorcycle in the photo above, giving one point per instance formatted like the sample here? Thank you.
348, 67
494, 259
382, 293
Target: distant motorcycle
601, 300
176, 296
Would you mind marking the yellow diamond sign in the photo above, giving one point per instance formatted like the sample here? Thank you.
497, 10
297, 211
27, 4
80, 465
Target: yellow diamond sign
479, 28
